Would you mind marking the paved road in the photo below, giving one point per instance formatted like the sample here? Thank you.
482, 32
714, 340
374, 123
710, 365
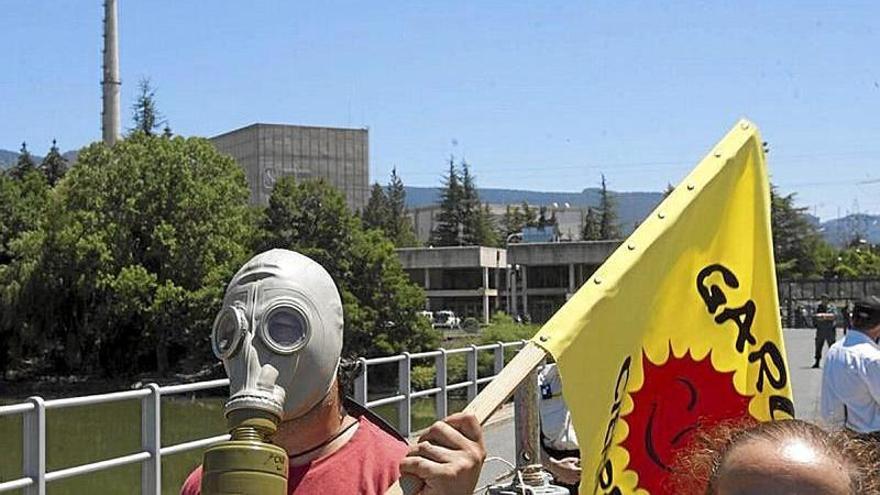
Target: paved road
806, 383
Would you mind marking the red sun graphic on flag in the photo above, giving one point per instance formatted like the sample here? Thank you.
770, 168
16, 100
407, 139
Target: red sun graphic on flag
676, 398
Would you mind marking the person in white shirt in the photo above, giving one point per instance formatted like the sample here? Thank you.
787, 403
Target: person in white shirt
559, 444
851, 379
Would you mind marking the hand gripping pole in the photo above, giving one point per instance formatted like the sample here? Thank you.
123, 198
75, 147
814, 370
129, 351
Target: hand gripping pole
487, 402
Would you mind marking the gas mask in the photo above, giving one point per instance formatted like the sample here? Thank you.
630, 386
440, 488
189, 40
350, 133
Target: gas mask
279, 334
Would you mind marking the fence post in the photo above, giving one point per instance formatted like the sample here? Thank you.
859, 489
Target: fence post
441, 401
33, 459
360, 384
499, 357
472, 373
151, 441
526, 421
405, 386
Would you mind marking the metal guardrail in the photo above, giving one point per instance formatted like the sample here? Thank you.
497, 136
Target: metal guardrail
405, 393
35, 476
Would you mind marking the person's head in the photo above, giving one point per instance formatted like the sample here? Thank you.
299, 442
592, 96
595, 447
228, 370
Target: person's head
824, 298
866, 316
780, 457
279, 335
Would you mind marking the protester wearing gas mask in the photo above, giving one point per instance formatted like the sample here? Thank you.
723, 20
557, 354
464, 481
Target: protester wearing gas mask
279, 336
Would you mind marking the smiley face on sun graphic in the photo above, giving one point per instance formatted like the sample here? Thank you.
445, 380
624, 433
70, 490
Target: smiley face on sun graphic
676, 398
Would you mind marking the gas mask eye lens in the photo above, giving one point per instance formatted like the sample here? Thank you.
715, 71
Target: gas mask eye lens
228, 329
225, 333
286, 329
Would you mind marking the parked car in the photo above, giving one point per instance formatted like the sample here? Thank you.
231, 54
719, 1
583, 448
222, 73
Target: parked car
446, 319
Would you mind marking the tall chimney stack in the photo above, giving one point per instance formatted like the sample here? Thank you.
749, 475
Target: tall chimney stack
111, 83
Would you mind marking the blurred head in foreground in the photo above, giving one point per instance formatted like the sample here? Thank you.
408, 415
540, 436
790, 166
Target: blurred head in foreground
780, 457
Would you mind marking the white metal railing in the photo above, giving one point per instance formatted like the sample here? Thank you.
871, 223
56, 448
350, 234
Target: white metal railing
405, 394
35, 476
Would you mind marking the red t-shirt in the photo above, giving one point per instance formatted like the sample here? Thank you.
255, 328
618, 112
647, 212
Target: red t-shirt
366, 465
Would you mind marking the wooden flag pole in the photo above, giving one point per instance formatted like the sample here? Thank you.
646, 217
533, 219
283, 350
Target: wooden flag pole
487, 402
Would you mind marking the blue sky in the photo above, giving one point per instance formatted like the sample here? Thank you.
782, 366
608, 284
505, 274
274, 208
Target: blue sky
535, 95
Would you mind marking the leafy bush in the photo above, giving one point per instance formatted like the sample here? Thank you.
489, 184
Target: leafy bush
501, 318
471, 325
507, 333
423, 377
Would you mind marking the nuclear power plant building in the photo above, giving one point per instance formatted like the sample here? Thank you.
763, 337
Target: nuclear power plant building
268, 152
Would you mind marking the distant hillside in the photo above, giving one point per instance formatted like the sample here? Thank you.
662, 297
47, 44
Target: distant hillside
840, 231
632, 207
8, 158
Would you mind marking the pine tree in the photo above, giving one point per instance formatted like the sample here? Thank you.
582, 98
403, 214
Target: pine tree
24, 165
542, 216
590, 231
511, 222
400, 228
475, 218
376, 213
54, 166
530, 215
486, 233
145, 114
469, 206
608, 228
447, 231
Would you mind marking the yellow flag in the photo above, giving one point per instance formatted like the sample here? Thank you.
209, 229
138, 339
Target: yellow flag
679, 328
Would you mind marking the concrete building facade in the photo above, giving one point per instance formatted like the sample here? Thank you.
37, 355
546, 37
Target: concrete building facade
545, 275
463, 279
268, 152
530, 280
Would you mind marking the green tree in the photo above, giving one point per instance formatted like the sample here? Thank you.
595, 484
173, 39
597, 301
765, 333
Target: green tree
608, 227
24, 165
486, 231
22, 204
530, 215
516, 218
145, 112
386, 211
400, 228
380, 303
54, 166
797, 245
856, 261
591, 230
377, 211
511, 222
129, 268
476, 220
448, 227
